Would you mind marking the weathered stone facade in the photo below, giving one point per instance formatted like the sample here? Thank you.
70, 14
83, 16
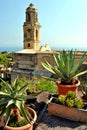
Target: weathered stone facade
27, 64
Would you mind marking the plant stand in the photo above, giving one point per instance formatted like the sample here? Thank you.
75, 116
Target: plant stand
67, 112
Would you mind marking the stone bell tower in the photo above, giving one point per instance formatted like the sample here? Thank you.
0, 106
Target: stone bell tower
31, 29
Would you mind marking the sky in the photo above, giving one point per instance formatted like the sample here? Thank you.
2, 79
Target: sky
63, 22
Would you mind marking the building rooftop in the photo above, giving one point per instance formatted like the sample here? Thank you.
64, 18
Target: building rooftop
27, 51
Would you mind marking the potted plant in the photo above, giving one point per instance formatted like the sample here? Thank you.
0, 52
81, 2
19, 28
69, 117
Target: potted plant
84, 91
13, 109
68, 106
66, 70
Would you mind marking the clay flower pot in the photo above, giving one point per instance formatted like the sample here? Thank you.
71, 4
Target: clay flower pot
26, 127
63, 89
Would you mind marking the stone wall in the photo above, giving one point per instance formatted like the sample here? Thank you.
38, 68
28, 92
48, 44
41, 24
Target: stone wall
27, 64
83, 77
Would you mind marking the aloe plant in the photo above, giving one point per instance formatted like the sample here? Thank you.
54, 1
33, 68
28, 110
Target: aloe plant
65, 67
12, 98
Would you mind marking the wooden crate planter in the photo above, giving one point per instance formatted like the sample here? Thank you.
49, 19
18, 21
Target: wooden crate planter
67, 112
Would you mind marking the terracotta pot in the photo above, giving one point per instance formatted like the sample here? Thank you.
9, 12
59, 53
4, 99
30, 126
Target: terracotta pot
67, 112
63, 89
26, 127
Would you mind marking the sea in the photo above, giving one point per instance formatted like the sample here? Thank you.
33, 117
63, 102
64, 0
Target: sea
10, 49
18, 48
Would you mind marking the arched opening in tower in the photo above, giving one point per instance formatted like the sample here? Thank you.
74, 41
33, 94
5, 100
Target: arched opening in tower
29, 19
36, 35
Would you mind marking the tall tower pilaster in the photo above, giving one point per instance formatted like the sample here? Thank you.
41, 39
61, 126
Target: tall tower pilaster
31, 29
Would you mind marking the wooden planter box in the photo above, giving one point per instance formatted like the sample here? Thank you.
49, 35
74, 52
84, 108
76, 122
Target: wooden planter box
67, 112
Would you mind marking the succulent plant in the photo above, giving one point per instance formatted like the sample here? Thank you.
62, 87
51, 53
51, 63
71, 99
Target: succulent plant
61, 99
78, 103
70, 100
65, 67
12, 98
71, 95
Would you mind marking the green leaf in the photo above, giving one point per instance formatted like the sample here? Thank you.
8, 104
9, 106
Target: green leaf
8, 111
4, 101
4, 94
78, 64
10, 102
25, 113
23, 88
52, 69
47, 66
18, 104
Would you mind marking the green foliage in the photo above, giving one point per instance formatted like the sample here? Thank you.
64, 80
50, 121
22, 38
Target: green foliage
78, 103
3, 60
71, 95
1, 85
84, 89
65, 67
10, 55
70, 100
14, 96
61, 99
38, 83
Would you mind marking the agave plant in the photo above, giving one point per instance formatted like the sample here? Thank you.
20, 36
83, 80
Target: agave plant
12, 98
65, 67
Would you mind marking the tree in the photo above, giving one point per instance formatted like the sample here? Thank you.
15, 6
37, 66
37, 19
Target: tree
3, 60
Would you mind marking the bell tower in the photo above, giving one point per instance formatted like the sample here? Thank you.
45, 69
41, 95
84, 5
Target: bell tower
31, 29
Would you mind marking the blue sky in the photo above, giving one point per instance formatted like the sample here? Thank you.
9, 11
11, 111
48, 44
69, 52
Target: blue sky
64, 22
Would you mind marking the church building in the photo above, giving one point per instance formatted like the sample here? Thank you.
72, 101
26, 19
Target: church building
28, 61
